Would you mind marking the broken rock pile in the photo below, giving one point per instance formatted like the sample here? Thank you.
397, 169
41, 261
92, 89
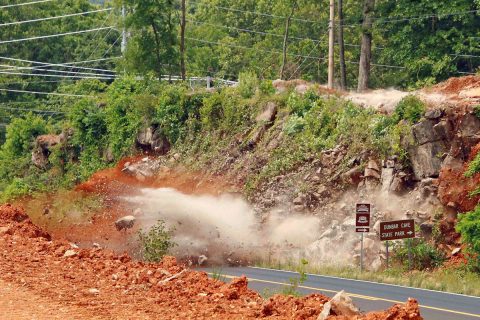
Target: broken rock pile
105, 285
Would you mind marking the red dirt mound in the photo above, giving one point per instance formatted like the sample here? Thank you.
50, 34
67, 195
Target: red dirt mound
455, 85
104, 285
455, 188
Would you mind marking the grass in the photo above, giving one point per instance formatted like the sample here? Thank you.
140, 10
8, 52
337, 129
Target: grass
454, 280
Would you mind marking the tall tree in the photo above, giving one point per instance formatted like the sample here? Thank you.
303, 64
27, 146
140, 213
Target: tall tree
341, 47
152, 46
366, 47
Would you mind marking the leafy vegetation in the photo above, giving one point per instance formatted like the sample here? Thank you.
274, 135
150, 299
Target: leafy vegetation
469, 227
423, 255
157, 242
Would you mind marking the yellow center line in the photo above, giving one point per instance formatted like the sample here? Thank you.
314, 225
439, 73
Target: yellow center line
354, 295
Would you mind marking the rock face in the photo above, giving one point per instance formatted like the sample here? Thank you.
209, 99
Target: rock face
442, 140
429, 147
153, 139
43, 148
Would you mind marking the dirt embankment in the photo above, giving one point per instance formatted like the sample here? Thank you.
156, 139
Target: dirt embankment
98, 284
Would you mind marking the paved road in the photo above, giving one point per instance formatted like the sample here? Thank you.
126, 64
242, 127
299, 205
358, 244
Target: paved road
367, 296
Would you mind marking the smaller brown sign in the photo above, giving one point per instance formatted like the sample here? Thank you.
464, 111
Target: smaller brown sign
395, 230
362, 218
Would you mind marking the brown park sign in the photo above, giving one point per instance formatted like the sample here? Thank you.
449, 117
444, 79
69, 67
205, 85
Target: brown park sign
362, 218
395, 230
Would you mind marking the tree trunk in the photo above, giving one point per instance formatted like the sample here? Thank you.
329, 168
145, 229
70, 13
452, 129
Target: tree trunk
366, 49
285, 43
182, 41
341, 43
331, 44
157, 50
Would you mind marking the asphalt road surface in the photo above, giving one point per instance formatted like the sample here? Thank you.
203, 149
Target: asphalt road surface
368, 296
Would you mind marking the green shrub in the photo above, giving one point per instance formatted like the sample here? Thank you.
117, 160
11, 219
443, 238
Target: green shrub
17, 188
157, 242
267, 88
409, 108
247, 84
294, 125
424, 255
469, 227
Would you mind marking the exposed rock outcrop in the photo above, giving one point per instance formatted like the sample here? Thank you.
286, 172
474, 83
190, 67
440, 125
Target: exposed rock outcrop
152, 139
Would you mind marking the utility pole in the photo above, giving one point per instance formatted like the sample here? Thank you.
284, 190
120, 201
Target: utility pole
341, 46
124, 31
182, 40
331, 43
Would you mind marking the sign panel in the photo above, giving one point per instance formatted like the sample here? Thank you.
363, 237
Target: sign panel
362, 218
395, 230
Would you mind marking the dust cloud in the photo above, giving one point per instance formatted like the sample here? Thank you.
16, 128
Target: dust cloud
223, 228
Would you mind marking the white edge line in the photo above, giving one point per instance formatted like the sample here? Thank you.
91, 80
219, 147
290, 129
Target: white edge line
372, 282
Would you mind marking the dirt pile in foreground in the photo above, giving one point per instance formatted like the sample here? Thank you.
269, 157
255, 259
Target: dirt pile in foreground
103, 285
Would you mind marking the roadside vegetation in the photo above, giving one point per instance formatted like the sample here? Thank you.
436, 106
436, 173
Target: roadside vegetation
455, 279
156, 242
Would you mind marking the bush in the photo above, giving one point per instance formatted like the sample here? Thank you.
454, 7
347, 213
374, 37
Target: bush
409, 108
247, 84
267, 88
469, 227
424, 255
157, 242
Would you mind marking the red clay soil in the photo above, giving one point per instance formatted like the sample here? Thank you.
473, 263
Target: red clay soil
457, 84
114, 182
98, 284
455, 188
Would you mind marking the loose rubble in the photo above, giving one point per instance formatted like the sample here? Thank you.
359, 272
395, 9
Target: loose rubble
105, 285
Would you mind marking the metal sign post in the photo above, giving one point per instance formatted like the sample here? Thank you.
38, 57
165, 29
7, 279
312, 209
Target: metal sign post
386, 246
362, 225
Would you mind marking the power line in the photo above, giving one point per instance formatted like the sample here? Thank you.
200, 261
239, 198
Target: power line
23, 4
46, 93
264, 14
54, 35
46, 65
290, 54
54, 17
54, 70
54, 75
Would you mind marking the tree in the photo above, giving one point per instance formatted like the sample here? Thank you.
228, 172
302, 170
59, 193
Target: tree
366, 47
152, 46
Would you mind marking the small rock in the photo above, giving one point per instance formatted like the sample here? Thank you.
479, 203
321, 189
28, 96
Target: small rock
93, 291
70, 253
456, 251
4, 230
434, 114
202, 259
371, 173
372, 164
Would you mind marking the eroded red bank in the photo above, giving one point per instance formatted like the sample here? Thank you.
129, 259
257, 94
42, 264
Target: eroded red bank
104, 285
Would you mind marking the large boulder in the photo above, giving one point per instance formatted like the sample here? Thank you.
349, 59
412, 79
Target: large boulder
430, 146
152, 139
43, 147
